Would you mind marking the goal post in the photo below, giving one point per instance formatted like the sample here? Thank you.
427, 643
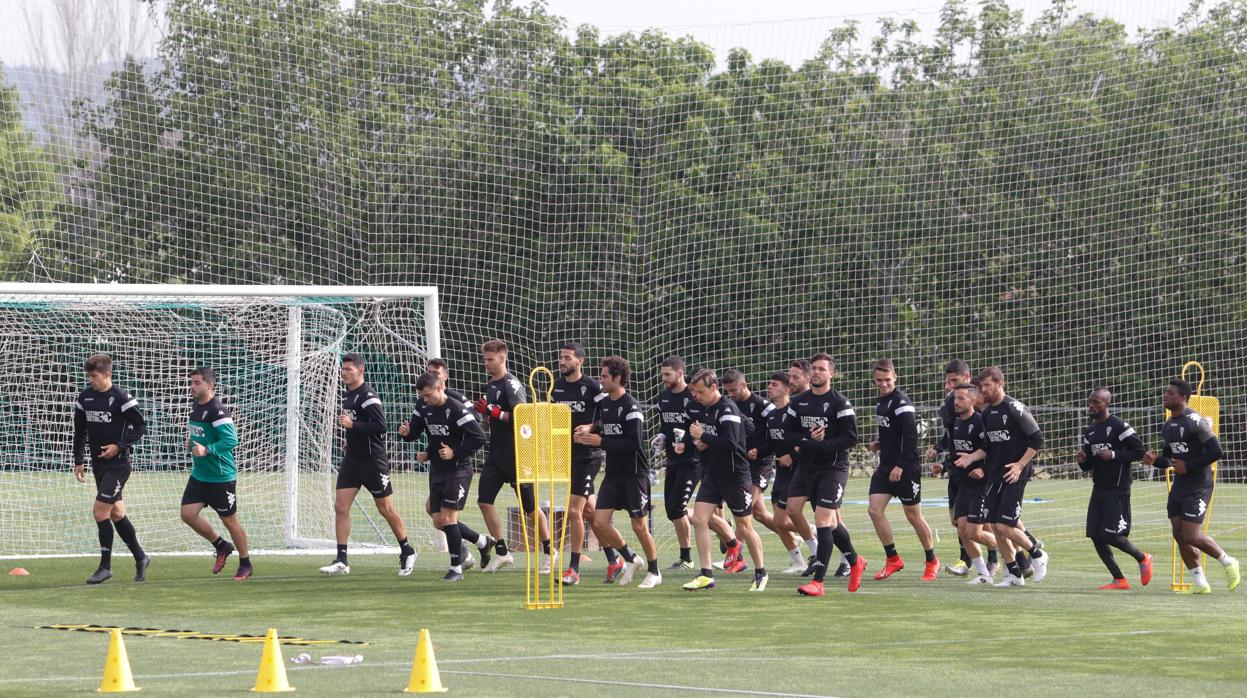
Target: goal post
277, 352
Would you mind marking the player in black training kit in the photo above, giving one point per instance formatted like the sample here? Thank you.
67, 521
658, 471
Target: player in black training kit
899, 473
502, 393
955, 374
620, 431
780, 443
1013, 440
799, 374
1190, 449
581, 394
758, 451
719, 434
365, 463
453, 436
967, 462
1109, 447
826, 430
107, 423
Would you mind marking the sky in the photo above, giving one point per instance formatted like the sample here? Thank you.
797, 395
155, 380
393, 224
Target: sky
790, 30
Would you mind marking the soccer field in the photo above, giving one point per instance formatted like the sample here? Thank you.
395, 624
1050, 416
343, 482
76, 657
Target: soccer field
1059, 637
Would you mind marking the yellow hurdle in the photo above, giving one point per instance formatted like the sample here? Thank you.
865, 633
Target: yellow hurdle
543, 458
1209, 407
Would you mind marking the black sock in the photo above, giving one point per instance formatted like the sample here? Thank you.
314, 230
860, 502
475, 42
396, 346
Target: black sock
575, 564
1036, 553
1106, 556
963, 555
1013, 569
454, 544
218, 543
125, 529
840, 535
627, 553
1032, 539
106, 543
889, 550
500, 547
404, 546
732, 543
759, 571
545, 546
991, 556
707, 573
244, 561
686, 554
930, 553
1022, 561
342, 554
653, 566
1123, 544
826, 542
467, 534
612, 557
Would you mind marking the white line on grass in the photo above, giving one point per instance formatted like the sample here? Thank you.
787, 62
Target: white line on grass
635, 684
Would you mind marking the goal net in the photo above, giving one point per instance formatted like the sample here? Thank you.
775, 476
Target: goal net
1013, 183
277, 353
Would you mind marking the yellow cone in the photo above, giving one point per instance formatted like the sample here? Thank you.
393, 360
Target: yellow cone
424, 676
117, 677
272, 676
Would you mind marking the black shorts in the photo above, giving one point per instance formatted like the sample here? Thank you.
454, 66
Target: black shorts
109, 482
494, 476
908, 489
677, 489
627, 492
449, 490
762, 473
781, 486
584, 471
374, 477
825, 487
1190, 504
1108, 513
798, 483
734, 489
1002, 502
969, 501
954, 486
218, 495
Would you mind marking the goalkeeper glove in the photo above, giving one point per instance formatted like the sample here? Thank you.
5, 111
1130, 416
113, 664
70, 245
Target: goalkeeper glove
491, 412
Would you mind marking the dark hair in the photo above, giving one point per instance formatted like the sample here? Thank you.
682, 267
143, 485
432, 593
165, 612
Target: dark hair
884, 365
438, 363
618, 367
976, 382
206, 373
705, 377
98, 362
674, 363
821, 356
802, 365
992, 372
354, 358
1103, 389
779, 377
957, 366
494, 346
428, 380
732, 376
969, 387
575, 348
1184, 388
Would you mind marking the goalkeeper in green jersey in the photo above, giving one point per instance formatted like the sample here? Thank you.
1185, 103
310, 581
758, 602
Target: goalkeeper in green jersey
211, 440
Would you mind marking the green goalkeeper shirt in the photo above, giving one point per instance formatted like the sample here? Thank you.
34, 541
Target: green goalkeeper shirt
212, 426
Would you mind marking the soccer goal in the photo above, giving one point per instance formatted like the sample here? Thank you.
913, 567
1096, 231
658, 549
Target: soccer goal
277, 352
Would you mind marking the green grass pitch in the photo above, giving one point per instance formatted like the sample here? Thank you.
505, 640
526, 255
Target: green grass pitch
899, 636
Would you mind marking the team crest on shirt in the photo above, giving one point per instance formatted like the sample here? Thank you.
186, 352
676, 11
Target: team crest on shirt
826, 405
583, 389
110, 400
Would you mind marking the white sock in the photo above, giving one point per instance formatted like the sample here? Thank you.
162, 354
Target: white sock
1225, 559
980, 566
844, 559
457, 568
795, 557
1197, 576
482, 541
812, 544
